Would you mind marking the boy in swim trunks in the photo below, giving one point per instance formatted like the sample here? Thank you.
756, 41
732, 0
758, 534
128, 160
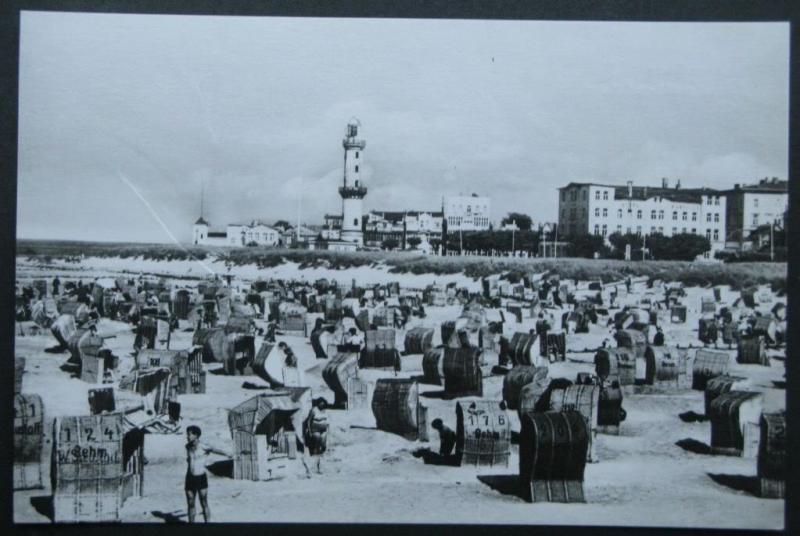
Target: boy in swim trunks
196, 479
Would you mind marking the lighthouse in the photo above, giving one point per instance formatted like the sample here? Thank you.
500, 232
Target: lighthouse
352, 189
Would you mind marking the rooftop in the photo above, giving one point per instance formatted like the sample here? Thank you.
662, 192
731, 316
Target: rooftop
680, 195
201, 221
765, 185
398, 215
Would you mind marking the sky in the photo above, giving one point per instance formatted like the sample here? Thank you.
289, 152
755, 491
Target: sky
124, 119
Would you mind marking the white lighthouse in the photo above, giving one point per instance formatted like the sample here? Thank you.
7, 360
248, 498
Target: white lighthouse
352, 189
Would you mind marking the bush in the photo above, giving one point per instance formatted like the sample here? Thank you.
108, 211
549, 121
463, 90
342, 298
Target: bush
738, 275
390, 243
586, 246
679, 247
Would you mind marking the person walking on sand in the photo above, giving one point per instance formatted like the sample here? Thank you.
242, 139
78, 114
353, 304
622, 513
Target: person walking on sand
196, 480
447, 441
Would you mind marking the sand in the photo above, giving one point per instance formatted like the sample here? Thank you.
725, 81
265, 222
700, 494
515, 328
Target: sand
643, 477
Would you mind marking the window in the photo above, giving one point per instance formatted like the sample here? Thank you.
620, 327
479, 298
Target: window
716, 218
639, 230
660, 214
597, 195
356, 169
629, 230
716, 235
605, 212
619, 213
661, 230
605, 196
652, 229
638, 214
619, 228
653, 214
585, 194
755, 202
572, 195
683, 230
716, 201
605, 230
674, 230
755, 219
708, 217
355, 222
708, 200
356, 154
694, 216
572, 213
694, 231
685, 215
596, 229
563, 195
708, 234
597, 212
675, 215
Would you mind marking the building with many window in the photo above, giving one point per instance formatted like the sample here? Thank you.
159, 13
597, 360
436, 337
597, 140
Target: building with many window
603, 209
400, 226
467, 212
751, 206
237, 234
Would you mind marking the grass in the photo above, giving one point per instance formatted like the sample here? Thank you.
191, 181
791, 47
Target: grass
737, 275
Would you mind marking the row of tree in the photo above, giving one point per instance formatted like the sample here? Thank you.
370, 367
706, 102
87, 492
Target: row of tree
685, 246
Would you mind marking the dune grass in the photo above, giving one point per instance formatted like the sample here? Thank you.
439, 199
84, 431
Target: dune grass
738, 275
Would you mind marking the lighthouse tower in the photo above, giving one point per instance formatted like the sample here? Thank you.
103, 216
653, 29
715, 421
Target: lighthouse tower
352, 189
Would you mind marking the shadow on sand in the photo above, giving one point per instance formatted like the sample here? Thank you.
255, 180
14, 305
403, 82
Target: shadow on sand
223, 468
694, 446
503, 484
170, 517
747, 484
434, 458
691, 416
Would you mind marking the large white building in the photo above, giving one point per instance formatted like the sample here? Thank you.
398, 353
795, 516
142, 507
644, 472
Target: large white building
237, 234
602, 209
752, 205
383, 225
467, 212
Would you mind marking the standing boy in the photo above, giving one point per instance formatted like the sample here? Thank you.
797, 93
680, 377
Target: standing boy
196, 479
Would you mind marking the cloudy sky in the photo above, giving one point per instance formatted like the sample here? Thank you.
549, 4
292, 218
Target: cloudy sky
124, 118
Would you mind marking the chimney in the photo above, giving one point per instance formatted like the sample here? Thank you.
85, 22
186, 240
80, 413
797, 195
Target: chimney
630, 189
737, 186
664, 182
678, 184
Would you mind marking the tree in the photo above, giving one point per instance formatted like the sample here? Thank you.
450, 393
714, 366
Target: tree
414, 241
586, 246
679, 247
390, 243
523, 221
282, 224
501, 241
